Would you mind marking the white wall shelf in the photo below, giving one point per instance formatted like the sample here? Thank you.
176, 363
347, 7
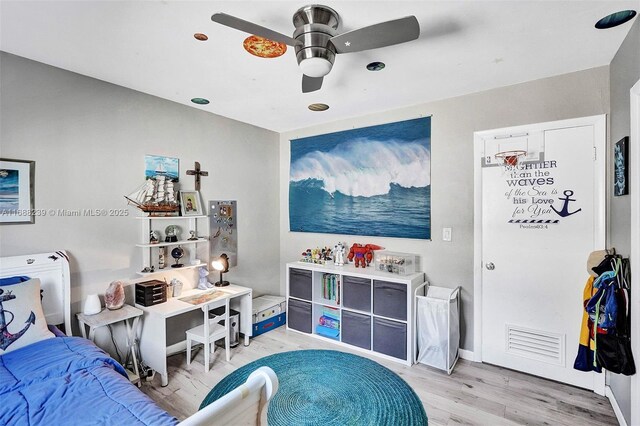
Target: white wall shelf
176, 243
168, 268
150, 252
170, 217
376, 309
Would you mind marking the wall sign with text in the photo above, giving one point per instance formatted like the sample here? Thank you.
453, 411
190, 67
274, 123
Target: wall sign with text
537, 197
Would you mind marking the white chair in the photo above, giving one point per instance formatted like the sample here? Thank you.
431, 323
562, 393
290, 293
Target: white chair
211, 330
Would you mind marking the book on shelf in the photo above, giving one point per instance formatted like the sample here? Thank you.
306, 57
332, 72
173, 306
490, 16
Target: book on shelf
327, 332
329, 322
331, 287
333, 313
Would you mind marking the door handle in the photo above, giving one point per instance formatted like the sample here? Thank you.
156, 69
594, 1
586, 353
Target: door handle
491, 266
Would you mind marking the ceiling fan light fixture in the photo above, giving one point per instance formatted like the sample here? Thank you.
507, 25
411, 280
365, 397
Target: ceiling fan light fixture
315, 67
317, 38
615, 19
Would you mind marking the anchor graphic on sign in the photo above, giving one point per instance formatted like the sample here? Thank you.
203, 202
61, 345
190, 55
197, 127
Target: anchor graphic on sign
565, 208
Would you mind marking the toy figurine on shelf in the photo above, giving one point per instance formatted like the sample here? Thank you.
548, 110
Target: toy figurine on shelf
338, 254
153, 237
306, 256
362, 255
203, 282
317, 255
326, 254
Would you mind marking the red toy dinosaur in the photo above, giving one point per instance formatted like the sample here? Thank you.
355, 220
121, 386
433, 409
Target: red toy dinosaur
363, 254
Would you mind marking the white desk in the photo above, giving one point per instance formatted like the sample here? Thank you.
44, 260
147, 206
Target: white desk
153, 333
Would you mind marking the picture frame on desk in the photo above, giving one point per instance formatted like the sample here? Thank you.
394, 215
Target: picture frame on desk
190, 204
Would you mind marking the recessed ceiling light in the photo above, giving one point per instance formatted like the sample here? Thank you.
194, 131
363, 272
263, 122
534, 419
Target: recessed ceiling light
375, 66
200, 101
318, 107
615, 19
263, 47
201, 37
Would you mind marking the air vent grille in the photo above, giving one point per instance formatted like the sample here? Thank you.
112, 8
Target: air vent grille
535, 344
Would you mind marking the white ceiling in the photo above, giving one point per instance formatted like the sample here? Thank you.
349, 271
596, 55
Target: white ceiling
464, 47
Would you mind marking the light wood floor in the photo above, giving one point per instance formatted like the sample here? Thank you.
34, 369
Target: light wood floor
475, 393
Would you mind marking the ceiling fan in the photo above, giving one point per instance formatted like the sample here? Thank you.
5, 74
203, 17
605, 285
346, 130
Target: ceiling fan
316, 39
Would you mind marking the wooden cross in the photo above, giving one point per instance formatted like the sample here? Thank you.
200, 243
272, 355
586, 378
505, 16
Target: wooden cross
197, 173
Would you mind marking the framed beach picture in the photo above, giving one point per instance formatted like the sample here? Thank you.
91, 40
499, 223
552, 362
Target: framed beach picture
157, 165
17, 179
621, 167
190, 204
373, 181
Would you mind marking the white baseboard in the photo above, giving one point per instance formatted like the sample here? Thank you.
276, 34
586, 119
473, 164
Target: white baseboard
616, 408
466, 354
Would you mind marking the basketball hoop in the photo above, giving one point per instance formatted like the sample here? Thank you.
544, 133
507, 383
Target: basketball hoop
510, 159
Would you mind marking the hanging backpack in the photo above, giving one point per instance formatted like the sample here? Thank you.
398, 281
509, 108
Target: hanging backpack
614, 348
602, 307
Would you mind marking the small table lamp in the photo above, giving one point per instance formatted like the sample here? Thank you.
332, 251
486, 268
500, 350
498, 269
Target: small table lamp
221, 264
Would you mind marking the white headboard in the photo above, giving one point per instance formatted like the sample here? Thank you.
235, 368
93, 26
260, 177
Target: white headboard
53, 271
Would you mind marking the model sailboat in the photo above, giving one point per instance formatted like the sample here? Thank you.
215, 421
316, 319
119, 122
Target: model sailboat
156, 196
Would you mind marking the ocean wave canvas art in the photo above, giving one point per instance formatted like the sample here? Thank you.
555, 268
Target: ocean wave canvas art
373, 181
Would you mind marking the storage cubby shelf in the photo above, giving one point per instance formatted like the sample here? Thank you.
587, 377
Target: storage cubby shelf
349, 269
374, 309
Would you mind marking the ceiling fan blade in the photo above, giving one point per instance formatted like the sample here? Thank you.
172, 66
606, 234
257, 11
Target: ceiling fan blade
378, 35
311, 84
251, 28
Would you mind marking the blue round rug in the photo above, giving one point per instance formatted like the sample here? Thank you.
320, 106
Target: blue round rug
326, 388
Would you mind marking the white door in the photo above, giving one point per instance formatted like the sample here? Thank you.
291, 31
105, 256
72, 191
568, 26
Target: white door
540, 220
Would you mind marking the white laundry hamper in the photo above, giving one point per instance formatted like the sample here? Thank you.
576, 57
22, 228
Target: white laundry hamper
438, 327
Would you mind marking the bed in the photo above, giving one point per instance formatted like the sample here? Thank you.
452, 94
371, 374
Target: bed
69, 380
65, 380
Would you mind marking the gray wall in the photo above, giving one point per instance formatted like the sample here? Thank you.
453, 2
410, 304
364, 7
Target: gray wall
625, 72
454, 121
89, 138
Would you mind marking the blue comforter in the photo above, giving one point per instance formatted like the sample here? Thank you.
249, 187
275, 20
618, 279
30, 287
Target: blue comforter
69, 380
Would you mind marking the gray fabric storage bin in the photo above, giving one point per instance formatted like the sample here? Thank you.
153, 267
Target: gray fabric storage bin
299, 315
356, 293
300, 283
390, 338
390, 299
356, 329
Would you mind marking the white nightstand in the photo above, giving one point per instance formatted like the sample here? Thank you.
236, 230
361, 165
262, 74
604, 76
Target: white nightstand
107, 317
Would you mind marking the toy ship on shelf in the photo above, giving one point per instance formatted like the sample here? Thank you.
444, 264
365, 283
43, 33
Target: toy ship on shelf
156, 197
